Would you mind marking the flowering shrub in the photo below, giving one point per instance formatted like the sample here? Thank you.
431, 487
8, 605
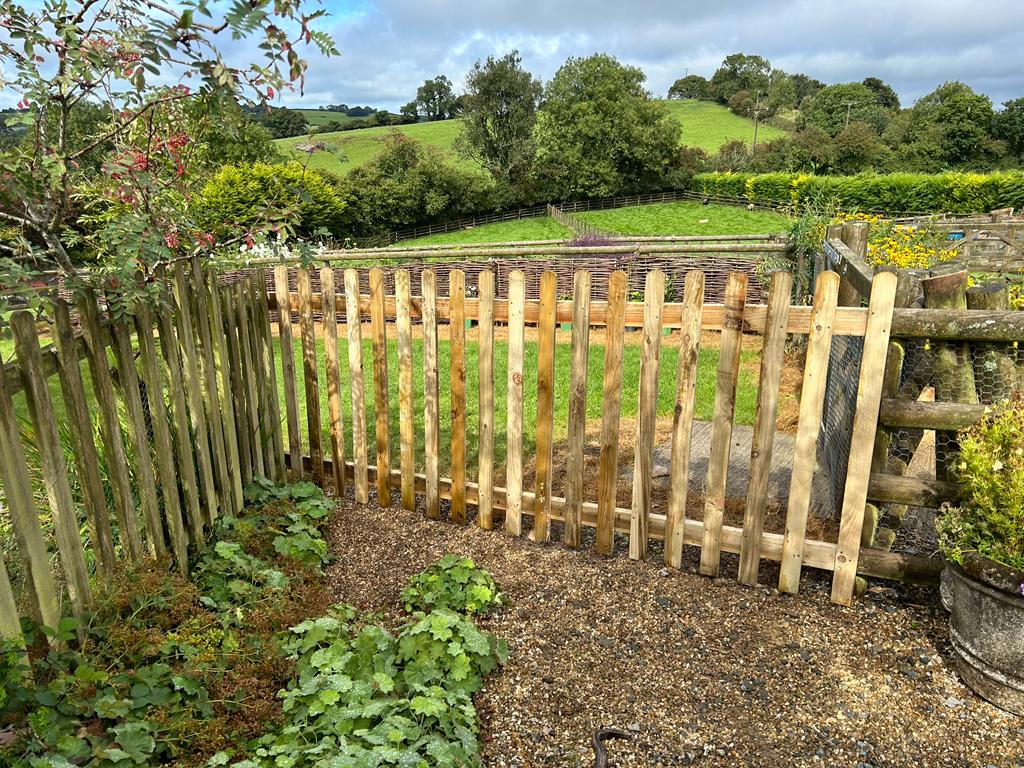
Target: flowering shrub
990, 518
904, 247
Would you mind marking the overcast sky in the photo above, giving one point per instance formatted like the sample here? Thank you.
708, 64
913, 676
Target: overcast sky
389, 47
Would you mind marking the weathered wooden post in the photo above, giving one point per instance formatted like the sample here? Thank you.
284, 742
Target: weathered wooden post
855, 235
995, 366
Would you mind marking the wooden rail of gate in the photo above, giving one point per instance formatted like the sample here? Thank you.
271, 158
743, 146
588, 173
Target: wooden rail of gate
641, 521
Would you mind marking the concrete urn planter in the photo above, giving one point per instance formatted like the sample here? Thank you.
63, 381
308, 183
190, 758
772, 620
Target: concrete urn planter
986, 628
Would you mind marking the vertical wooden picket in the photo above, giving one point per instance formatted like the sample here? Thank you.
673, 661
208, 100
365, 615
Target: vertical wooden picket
865, 424
431, 416
378, 332
220, 346
609, 463
83, 439
55, 473
577, 408
682, 423
485, 376
164, 448
334, 409
355, 370
773, 351
193, 388
722, 421
545, 405
406, 419
514, 432
239, 395
248, 369
40, 584
265, 396
186, 467
647, 413
113, 442
812, 403
309, 374
270, 367
457, 335
10, 623
128, 377
284, 331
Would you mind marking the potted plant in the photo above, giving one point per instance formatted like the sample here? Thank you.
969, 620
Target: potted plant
982, 541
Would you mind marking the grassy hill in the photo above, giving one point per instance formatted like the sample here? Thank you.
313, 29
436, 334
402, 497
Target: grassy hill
705, 125
321, 117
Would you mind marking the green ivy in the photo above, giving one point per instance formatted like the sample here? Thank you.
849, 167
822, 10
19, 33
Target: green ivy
454, 583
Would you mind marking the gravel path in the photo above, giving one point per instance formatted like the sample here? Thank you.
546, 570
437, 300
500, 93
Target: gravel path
701, 672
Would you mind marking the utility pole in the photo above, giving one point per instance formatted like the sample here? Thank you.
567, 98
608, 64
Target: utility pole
757, 114
849, 106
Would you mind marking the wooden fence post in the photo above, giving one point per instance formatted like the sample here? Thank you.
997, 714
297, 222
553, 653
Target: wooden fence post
284, 332
485, 376
218, 337
239, 395
577, 407
457, 334
274, 397
335, 410
355, 368
431, 417
612, 413
378, 332
309, 375
514, 433
865, 422
721, 425
248, 372
682, 423
545, 405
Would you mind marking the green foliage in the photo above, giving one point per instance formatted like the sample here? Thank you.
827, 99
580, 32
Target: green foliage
990, 517
837, 106
691, 87
453, 583
302, 200
1008, 126
283, 122
138, 689
600, 134
953, 125
740, 72
890, 193
435, 98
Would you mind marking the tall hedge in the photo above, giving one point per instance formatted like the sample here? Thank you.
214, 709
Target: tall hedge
888, 193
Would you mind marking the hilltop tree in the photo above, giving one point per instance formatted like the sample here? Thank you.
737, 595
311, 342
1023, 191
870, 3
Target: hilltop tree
599, 133
835, 107
499, 118
691, 87
959, 119
409, 112
805, 86
1008, 125
884, 92
435, 98
284, 123
740, 72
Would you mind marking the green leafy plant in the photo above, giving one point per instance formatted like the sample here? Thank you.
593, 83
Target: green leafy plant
453, 583
990, 517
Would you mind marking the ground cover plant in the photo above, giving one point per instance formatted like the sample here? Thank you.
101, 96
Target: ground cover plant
249, 664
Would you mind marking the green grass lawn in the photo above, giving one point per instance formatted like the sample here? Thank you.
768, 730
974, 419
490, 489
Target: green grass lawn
687, 218
708, 125
321, 117
704, 124
745, 400
541, 228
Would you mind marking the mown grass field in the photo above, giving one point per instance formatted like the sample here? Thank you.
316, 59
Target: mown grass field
746, 396
704, 124
321, 117
687, 218
541, 228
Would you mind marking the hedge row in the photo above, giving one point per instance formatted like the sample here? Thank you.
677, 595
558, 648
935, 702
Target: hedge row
889, 193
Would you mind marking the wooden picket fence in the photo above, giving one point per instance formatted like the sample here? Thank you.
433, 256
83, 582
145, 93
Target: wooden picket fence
189, 410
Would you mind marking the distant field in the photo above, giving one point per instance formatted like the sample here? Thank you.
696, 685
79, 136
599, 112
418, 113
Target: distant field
687, 219
320, 117
541, 228
705, 125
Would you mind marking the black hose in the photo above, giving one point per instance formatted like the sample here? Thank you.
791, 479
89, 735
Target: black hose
600, 753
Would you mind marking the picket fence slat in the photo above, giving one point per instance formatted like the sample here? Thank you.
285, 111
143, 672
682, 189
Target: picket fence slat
722, 421
353, 326
865, 424
162, 443
245, 345
485, 377
334, 407
379, 343
218, 335
128, 376
514, 427
54, 467
406, 425
239, 395
284, 332
110, 424
545, 405
264, 395
83, 440
812, 403
608, 469
580, 351
431, 416
193, 389
682, 422
457, 346
310, 375
773, 351
280, 471
182, 437
647, 414
10, 622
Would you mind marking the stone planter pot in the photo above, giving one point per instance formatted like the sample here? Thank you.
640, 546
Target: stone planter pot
986, 627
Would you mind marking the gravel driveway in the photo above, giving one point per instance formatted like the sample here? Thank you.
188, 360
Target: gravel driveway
701, 672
